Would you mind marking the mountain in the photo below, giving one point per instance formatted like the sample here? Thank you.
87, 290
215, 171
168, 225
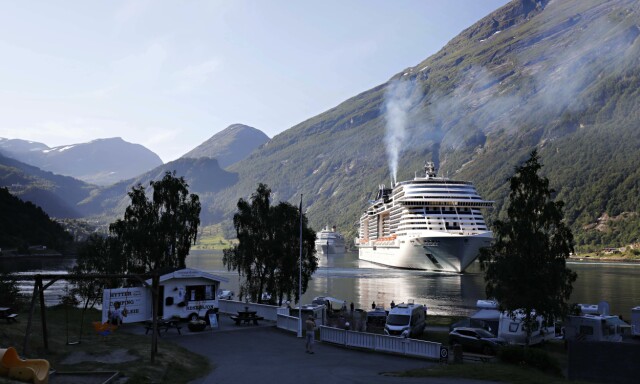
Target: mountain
23, 224
204, 176
559, 76
230, 145
100, 162
57, 195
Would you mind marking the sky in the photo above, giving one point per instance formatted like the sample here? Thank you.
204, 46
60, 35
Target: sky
171, 74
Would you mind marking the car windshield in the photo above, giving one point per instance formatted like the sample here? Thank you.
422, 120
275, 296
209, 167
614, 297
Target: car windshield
398, 320
484, 334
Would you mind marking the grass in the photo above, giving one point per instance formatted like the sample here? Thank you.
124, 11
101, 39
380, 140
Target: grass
173, 364
211, 238
487, 371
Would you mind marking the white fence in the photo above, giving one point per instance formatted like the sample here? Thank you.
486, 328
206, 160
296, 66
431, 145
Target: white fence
269, 312
288, 323
382, 343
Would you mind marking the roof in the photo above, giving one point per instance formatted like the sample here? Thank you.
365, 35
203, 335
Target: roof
487, 314
190, 273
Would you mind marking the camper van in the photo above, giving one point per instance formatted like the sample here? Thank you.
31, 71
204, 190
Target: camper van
406, 320
332, 304
513, 332
595, 328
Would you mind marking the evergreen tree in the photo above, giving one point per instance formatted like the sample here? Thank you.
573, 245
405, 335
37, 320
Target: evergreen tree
525, 269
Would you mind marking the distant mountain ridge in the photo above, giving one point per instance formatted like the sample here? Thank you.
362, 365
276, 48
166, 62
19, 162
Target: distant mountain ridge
230, 145
100, 161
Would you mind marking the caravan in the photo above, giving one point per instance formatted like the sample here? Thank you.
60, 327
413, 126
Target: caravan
595, 328
512, 330
406, 320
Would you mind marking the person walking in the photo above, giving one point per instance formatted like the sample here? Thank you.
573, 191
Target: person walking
310, 326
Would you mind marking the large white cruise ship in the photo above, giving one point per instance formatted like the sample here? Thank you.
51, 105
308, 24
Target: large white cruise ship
328, 241
430, 223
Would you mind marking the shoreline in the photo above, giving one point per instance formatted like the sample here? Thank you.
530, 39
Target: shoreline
602, 260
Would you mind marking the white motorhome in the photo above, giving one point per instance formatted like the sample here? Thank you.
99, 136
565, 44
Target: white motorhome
635, 321
185, 293
406, 320
513, 332
595, 328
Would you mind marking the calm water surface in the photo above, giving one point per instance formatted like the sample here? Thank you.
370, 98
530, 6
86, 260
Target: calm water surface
360, 282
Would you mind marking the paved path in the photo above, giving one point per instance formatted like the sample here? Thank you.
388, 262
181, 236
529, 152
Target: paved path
265, 354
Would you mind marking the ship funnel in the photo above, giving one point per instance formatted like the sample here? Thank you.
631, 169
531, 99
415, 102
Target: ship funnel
430, 169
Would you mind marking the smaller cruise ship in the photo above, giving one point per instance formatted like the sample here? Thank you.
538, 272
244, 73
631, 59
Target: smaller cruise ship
329, 241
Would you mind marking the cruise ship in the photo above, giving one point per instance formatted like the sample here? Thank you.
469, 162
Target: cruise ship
328, 241
430, 223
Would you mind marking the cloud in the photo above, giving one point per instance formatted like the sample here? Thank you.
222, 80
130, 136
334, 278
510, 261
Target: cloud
130, 10
195, 75
140, 69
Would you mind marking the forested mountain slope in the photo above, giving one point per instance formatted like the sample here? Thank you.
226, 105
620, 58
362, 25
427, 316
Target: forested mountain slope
560, 76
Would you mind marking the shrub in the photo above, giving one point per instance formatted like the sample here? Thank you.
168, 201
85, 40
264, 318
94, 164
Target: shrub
530, 357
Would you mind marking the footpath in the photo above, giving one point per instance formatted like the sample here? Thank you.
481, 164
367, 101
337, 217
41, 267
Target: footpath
265, 354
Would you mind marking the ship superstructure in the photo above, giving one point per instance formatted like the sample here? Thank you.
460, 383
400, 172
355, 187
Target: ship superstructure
329, 241
430, 223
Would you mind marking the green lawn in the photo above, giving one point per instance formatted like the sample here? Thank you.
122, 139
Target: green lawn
173, 364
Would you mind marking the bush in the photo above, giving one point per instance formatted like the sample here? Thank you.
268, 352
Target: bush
530, 357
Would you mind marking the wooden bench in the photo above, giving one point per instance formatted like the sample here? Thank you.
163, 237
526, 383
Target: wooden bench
246, 319
166, 325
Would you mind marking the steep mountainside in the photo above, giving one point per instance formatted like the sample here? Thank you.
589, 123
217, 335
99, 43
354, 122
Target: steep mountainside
57, 195
204, 176
560, 76
101, 162
230, 145
22, 224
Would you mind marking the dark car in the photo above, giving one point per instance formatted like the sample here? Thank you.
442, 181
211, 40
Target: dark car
475, 340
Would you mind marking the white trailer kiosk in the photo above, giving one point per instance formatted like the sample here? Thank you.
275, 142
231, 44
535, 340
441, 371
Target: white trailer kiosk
185, 293
188, 293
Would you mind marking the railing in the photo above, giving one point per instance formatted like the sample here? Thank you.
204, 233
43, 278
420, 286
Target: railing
283, 311
381, 343
269, 312
288, 323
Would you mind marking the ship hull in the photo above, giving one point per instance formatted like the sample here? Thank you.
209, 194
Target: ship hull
446, 253
330, 249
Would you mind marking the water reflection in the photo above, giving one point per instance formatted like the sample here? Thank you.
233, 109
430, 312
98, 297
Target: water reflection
347, 278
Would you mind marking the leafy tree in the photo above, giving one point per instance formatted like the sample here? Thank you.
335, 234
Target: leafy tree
158, 233
97, 255
267, 252
525, 269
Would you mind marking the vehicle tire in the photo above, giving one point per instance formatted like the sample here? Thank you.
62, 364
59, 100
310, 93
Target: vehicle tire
487, 350
193, 317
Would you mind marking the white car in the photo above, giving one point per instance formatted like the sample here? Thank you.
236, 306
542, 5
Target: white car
225, 295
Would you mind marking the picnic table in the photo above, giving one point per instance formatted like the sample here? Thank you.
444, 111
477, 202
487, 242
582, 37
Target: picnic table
163, 324
246, 317
5, 313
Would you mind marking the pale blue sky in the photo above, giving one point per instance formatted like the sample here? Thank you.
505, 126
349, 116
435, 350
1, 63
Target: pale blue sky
170, 74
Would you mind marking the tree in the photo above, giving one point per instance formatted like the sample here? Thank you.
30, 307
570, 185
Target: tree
525, 268
268, 248
158, 233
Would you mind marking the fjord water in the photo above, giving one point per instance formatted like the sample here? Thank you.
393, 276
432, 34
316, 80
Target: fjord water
346, 277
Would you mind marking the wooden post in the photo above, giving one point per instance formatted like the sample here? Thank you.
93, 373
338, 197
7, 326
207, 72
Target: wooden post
45, 336
29, 322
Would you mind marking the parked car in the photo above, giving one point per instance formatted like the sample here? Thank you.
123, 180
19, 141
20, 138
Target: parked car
225, 295
476, 340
